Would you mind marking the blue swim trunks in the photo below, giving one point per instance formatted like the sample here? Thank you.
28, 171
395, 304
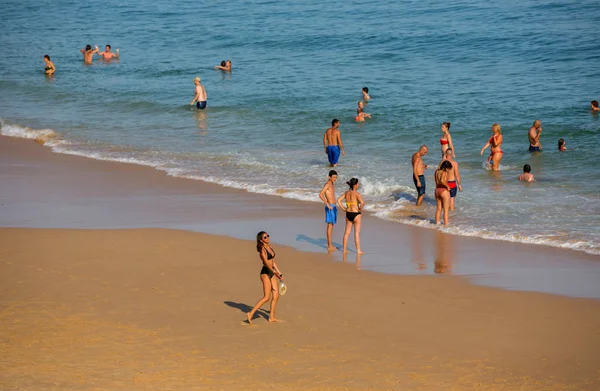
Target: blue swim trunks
331, 214
420, 190
333, 153
201, 105
534, 149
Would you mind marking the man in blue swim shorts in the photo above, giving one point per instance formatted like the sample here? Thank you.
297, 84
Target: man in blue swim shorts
200, 96
332, 141
419, 172
327, 195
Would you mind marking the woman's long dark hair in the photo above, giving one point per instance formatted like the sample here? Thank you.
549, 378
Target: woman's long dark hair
259, 243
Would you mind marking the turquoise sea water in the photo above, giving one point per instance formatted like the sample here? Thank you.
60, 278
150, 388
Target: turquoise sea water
298, 65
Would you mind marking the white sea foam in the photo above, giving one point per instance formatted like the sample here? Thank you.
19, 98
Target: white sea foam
386, 197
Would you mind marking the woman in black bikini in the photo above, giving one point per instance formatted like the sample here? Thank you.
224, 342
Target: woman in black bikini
268, 275
50, 68
353, 209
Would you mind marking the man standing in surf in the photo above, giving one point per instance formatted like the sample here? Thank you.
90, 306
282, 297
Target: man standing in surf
327, 195
534, 136
453, 176
332, 141
200, 96
419, 172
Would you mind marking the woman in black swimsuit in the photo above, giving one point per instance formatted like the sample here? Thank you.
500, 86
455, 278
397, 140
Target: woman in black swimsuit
50, 68
268, 275
353, 209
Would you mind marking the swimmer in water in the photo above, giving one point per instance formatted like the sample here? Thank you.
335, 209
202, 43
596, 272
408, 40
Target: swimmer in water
88, 53
360, 113
526, 175
419, 172
446, 139
225, 66
562, 144
200, 95
594, 106
332, 142
107, 54
50, 68
495, 143
365, 94
534, 136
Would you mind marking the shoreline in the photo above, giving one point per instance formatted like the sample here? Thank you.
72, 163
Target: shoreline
80, 192
52, 140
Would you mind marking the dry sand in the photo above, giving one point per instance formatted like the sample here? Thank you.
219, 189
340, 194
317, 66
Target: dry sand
156, 309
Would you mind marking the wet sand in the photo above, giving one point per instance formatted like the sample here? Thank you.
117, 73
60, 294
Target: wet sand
145, 309
153, 309
42, 189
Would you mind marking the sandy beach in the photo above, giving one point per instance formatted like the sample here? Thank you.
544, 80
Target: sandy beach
124, 308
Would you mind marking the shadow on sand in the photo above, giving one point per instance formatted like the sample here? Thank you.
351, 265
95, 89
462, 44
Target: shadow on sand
245, 308
321, 242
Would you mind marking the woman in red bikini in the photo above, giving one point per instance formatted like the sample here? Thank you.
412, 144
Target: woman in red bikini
442, 191
495, 142
446, 139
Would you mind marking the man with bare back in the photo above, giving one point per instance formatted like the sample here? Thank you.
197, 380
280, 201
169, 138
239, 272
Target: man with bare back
332, 141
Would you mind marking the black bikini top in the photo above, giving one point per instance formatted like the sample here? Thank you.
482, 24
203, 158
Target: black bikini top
269, 256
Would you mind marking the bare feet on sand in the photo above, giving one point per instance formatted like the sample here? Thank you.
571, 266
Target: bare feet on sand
359, 251
331, 249
249, 317
274, 320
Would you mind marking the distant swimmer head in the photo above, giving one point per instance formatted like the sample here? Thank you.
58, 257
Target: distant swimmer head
365, 89
446, 165
108, 47
445, 126
561, 143
594, 104
196, 79
335, 121
527, 168
353, 183
88, 47
496, 128
223, 63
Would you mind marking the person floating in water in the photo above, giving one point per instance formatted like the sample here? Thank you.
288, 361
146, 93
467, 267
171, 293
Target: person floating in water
495, 143
360, 113
108, 55
534, 136
200, 96
50, 68
327, 195
594, 106
526, 176
365, 94
225, 65
332, 141
353, 209
562, 144
88, 53
419, 172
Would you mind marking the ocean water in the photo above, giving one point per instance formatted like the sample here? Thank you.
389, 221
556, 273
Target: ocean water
298, 65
